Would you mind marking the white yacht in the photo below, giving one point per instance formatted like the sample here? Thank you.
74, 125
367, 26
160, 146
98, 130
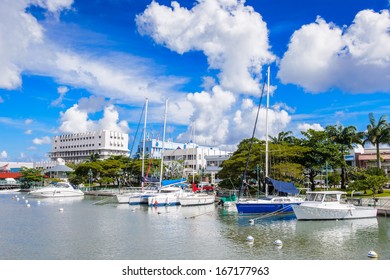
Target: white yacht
60, 189
330, 205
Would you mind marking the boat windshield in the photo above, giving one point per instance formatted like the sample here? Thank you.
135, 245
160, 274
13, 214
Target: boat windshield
319, 197
331, 198
310, 196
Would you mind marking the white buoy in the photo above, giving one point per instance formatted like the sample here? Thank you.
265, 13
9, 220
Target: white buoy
22, 197
26, 201
61, 209
278, 242
251, 222
28, 205
17, 199
372, 255
38, 202
250, 238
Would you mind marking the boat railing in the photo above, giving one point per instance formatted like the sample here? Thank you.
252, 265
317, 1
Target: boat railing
382, 202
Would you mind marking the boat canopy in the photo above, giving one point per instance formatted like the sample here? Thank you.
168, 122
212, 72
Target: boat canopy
166, 183
285, 187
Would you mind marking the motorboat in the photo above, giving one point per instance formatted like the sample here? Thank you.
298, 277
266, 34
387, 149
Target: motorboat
330, 205
197, 198
58, 189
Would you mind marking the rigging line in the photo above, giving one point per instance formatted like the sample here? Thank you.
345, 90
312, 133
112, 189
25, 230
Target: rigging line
253, 136
136, 133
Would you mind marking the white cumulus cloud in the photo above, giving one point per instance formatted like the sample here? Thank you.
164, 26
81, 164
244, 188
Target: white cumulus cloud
3, 154
306, 126
356, 58
76, 119
42, 141
233, 37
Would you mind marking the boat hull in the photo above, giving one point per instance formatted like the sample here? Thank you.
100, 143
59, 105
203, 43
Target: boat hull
264, 208
56, 193
312, 212
193, 200
163, 200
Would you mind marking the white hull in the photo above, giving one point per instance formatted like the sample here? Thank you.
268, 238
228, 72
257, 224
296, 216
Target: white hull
60, 189
56, 193
197, 199
313, 211
163, 200
134, 198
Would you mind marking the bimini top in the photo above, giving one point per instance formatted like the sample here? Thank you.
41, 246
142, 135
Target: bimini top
285, 187
166, 183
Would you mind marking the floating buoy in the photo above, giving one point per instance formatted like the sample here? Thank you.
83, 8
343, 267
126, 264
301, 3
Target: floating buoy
61, 209
251, 222
278, 242
22, 197
26, 201
372, 255
250, 239
28, 205
38, 202
17, 199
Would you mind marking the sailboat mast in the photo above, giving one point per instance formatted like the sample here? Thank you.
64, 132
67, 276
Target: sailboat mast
194, 153
163, 141
266, 131
143, 145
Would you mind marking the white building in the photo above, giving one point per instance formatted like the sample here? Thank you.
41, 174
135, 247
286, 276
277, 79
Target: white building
193, 157
79, 147
153, 147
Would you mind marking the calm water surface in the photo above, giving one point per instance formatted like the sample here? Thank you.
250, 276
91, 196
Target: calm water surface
89, 230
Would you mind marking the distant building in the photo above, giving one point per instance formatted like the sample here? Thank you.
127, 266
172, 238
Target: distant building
190, 155
366, 157
213, 165
79, 147
14, 166
193, 158
153, 147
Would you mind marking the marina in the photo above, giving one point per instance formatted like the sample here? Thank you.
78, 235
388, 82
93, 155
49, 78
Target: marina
82, 228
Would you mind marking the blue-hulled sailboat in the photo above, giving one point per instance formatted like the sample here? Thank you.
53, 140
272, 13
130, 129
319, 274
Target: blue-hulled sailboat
284, 194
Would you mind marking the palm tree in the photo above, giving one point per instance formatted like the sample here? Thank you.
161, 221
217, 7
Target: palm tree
377, 133
345, 137
282, 137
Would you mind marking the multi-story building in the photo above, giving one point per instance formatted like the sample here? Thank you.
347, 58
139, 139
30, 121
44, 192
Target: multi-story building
367, 158
193, 158
78, 147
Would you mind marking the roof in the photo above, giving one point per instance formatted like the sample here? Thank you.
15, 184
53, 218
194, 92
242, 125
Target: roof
15, 175
59, 168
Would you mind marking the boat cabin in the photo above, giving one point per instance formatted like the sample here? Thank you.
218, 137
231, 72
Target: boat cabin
326, 196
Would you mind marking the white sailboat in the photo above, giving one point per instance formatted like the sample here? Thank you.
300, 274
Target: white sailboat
139, 196
269, 204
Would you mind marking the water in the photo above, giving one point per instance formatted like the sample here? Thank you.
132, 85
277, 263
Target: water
85, 230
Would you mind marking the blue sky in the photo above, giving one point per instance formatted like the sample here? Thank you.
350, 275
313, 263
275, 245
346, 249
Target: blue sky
75, 65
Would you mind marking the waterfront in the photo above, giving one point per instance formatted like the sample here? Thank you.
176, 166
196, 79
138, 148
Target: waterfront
86, 230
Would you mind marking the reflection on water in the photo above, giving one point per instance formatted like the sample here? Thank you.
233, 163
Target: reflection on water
90, 228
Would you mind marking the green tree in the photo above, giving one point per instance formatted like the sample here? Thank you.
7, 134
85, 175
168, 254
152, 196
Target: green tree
345, 138
283, 137
321, 150
31, 175
377, 134
365, 181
